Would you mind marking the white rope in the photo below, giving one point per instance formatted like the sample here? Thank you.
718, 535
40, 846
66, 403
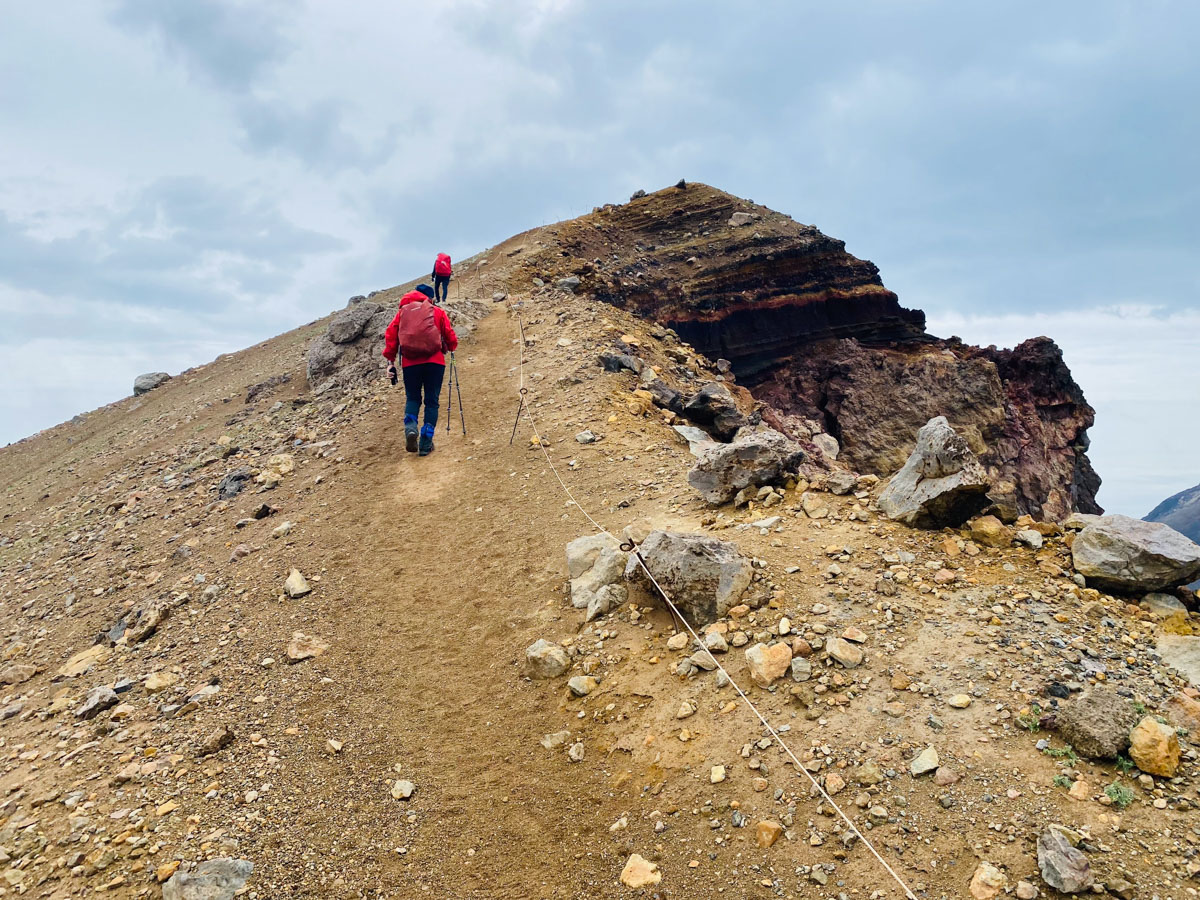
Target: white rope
674, 609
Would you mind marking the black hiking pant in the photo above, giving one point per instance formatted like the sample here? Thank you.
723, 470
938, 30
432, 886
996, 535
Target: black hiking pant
423, 379
441, 287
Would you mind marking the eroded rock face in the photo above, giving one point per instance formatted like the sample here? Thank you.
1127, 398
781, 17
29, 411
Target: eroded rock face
1124, 555
941, 484
704, 576
812, 331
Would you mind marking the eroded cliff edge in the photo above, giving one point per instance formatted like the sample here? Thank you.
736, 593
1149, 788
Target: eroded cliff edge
813, 332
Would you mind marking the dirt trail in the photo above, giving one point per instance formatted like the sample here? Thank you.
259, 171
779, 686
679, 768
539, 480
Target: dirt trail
457, 566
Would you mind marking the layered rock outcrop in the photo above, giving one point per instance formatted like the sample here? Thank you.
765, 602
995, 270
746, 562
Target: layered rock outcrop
813, 332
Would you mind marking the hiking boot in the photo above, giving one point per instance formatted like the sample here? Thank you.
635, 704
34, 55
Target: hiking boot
410, 434
426, 442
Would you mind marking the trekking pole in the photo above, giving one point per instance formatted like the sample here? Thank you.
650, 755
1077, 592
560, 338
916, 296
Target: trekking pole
449, 392
458, 388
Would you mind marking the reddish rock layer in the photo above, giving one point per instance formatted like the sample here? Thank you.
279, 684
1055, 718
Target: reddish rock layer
1020, 410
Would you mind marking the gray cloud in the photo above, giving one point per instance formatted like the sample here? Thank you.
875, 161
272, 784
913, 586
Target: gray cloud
1010, 161
315, 134
227, 44
147, 252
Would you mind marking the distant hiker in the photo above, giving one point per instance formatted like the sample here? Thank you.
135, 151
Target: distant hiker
442, 271
421, 332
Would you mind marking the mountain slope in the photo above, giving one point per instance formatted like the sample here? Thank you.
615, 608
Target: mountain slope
1181, 512
430, 577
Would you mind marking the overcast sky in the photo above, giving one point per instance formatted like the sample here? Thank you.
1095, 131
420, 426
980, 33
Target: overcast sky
179, 180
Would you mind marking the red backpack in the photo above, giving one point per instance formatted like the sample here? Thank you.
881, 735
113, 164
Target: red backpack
442, 265
418, 331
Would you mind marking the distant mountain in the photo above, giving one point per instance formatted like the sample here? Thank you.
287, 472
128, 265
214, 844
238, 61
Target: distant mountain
1181, 512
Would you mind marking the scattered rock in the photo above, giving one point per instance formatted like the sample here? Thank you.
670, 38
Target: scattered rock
304, 646
214, 879
941, 484
1162, 606
546, 660
704, 576
403, 789
98, 699
924, 762
959, 701
1124, 555
84, 660
640, 873
698, 439
801, 669
1030, 538
596, 564
555, 740
295, 585
160, 681
990, 532
1154, 747
18, 673
1026, 891
715, 409
234, 483
768, 663
766, 833
987, 882
582, 685
1063, 867
844, 652
218, 739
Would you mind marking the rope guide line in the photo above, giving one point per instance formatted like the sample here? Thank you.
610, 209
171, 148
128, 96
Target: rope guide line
633, 548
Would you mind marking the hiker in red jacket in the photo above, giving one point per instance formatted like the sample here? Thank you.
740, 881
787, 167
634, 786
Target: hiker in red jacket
441, 277
421, 332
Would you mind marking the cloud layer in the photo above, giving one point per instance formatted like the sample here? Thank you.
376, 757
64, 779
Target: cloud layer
178, 180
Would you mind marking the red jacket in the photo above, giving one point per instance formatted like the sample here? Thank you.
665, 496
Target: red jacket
391, 339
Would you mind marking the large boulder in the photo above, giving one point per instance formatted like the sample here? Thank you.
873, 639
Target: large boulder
148, 382
348, 324
214, 879
1097, 724
703, 576
596, 566
941, 484
752, 459
1129, 556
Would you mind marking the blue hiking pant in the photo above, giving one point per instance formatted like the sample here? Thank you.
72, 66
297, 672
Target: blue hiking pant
423, 382
441, 287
